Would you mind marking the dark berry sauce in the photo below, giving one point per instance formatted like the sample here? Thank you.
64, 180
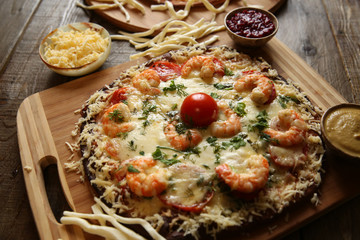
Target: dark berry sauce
251, 24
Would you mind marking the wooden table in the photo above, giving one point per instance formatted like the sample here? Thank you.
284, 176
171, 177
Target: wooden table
325, 33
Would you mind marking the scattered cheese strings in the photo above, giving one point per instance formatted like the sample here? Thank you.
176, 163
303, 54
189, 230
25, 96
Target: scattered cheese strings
104, 215
182, 35
174, 33
184, 13
108, 4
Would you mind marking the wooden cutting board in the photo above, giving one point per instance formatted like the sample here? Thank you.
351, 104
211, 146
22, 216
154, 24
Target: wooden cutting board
45, 121
141, 22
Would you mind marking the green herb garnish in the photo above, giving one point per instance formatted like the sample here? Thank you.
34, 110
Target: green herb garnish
147, 109
228, 72
116, 116
261, 123
162, 157
132, 145
181, 128
132, 169
283, 100
179, 88
239, 109
224, 86
214, 95
235, 142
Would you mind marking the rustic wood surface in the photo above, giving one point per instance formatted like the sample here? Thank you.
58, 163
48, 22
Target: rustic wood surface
325, 33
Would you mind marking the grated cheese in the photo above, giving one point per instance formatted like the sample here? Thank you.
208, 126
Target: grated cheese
28, 169
74, 48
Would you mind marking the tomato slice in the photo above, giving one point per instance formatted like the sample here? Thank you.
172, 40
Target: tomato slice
166, 70
190, 188
119, 95
195, 208
199, 110
288, 157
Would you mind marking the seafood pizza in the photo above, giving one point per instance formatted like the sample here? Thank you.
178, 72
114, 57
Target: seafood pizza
200, 141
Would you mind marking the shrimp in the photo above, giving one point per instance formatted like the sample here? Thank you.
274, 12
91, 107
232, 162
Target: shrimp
262, 88
252, 176
145, 178
182, 140
287, 128
116, 120
147, 82
208, 66
228, 128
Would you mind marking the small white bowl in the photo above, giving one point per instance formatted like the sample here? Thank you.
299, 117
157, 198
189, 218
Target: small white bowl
246, 41
84, 69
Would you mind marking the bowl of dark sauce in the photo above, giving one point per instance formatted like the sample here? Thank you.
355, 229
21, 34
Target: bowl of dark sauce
250, 26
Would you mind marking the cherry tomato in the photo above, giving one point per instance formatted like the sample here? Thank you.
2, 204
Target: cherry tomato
166, 70
199, 110
118, 96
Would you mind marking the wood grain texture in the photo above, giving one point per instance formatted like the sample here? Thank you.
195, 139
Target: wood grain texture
55, 108
345, 24
18, 14
307, 27
314, 41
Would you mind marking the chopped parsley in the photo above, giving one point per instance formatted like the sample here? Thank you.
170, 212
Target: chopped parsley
132, 145
224, 86
267, 138
228, 72
122, 135
174, 107
235, 142
181, 128
163, 157
195, 150
116, 116
239, 109
206, 166
179, 88
283, 100
261, 122
214, 95
147, 109
132, 169
217, 148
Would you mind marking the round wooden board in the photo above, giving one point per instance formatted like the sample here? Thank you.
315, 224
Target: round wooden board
141, 22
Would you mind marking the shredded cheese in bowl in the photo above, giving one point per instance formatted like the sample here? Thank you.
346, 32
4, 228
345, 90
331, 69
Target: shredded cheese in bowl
75, 49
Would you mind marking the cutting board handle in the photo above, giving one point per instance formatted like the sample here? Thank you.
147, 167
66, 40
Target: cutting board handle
37, 150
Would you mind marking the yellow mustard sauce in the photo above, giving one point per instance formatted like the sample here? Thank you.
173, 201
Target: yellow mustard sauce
342, 128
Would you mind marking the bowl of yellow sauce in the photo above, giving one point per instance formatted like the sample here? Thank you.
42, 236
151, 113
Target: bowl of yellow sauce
340, 127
